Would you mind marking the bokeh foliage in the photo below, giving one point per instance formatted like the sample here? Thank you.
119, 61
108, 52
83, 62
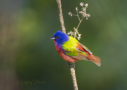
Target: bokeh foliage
33, 54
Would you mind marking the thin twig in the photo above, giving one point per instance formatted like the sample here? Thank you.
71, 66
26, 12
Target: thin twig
71, 65
79, 23
77, 14
78, 17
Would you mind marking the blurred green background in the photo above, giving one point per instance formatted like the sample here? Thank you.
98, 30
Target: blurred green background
29, 61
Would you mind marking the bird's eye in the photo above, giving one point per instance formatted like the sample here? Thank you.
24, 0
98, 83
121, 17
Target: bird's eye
56, 37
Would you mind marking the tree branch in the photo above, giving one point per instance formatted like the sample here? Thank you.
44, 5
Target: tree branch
72, 69
61, 15
71, 65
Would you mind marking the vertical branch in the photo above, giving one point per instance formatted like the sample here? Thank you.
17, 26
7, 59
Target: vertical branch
61, 15
72, 69
71, 65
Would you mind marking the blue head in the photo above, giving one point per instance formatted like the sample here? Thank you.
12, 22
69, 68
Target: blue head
60, 38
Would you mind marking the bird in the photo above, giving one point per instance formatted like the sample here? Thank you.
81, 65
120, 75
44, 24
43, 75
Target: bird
71, 50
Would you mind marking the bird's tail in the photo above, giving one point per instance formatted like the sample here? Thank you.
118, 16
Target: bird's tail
96, 60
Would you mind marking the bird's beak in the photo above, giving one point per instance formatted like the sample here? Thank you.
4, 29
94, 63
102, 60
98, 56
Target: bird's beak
52, 38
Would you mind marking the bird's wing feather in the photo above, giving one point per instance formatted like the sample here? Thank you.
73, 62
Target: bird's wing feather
84, 48
83, 52
77, 52
75, 49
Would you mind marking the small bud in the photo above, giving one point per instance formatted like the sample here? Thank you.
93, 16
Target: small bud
70, 14
79, 35
80, 12
81, 4
86, 18
68, 33
76, 9
88, 15
84, 9
86, 5
84, 15
78, 38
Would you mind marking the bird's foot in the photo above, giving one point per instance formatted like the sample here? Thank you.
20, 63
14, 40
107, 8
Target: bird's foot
71, 64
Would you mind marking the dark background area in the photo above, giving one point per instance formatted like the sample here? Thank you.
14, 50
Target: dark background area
29, 61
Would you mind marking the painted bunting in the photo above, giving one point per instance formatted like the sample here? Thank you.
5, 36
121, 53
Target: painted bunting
71, 50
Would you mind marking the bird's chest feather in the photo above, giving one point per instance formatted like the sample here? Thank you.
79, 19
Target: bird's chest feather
64, 56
